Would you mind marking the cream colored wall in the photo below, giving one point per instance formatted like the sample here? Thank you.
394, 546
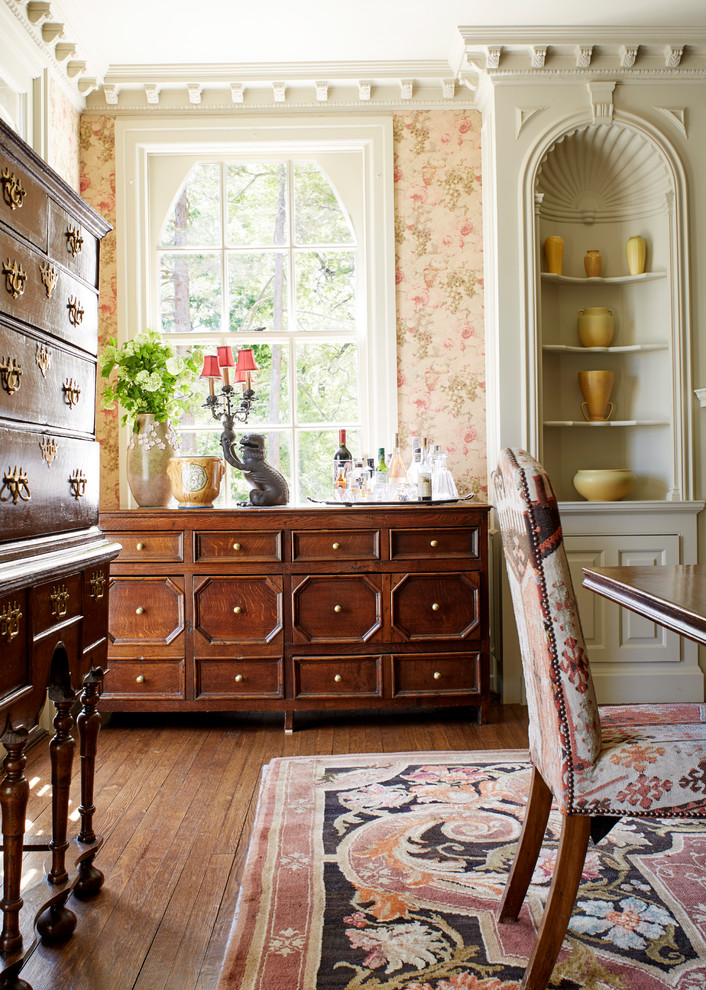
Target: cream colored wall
438, 234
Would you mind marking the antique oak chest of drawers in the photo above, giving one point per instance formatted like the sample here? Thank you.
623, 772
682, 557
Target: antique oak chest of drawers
293, 609
54, 560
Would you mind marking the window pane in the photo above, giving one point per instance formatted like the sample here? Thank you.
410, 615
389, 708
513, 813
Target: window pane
318, 216
316, 450
325, 290
257, 284
327, 382
190, 292
256, 202
195, 220
277, 453
271, 385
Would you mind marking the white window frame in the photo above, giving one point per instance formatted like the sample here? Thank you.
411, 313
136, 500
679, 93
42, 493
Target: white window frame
139, 139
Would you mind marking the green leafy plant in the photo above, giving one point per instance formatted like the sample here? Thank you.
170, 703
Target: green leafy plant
150, 377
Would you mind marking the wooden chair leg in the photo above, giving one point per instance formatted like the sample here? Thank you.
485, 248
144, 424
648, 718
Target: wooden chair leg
536, 816
575, 833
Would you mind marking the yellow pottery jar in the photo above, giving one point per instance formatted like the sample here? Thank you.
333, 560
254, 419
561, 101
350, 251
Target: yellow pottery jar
592, 262
595, 326
554, 253
196, 480
604, 485
636, 252
596, 387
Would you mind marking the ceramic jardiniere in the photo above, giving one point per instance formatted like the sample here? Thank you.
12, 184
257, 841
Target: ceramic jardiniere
196, 481
149, 449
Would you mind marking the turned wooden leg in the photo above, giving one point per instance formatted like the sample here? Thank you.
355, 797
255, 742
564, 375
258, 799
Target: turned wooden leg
575, 833
536, 817
61, 751
14, 794
89, 723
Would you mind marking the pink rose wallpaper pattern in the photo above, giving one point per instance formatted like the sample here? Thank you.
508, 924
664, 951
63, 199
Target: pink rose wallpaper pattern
439, 285
63, 136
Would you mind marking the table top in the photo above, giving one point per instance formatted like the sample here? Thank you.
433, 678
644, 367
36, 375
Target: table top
672, 595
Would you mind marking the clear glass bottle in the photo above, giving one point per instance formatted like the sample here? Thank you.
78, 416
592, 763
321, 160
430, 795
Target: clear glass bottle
414, 462
424, 474
397, 471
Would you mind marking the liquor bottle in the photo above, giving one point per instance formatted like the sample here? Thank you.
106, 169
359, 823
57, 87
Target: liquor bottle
397, 471
342, 458
341, 485
424, 474
381, 473
414, 462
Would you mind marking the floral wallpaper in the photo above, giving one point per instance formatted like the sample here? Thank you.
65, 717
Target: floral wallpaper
439, 275
63, 137
97, 164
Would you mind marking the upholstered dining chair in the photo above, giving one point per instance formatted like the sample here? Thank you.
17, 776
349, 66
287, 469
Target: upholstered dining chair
597, 764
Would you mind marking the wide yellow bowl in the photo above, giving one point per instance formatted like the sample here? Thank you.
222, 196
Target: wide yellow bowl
604, 484
196, 481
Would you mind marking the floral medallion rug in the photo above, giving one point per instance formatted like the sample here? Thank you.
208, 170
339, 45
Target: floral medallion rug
386, 871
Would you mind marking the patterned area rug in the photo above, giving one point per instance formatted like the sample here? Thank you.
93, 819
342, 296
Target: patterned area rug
385, 872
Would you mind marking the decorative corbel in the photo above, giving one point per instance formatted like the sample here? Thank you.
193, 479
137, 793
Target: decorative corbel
152, 94
194, 93
628, 54
62, 51
539, 55
38, 10
321, 91
584, 54
111, 95
672, 56
364, 90
448, 88
51, 32
601, 94
237, 92
406, 89
492, 56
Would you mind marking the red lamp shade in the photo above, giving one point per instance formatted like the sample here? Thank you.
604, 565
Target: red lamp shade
246, 361
210, 367
225, 357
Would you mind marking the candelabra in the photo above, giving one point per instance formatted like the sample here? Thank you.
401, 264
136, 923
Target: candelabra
224, 405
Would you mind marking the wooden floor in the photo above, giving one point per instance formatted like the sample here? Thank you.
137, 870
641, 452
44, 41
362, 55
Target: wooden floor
176, 797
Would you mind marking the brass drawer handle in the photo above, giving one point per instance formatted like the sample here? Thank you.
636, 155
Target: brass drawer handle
97, 585
236, 546
237, 610
50, 449
78, 481
76, 311
42, 358
139, 610
49, 277
12, 189
338, 678
338, 608
140, 679
10, 375
336, 546
10, 621
437, 675
238, 678
15, 278
435, 607
74, 240
72, 392
434, 543
140, 546
17, 484
59, 601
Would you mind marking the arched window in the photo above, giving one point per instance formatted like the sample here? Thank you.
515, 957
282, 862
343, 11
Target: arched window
278, 239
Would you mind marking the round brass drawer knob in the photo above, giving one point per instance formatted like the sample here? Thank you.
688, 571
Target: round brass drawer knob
338, 678
336, 546
237, 610
139, 611
337, 608
437, 675
238, 678
236, 546
140, 546
140, 679
435, 607
434, 543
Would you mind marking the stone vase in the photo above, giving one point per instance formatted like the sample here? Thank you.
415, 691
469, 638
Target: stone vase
149, 449
596, 387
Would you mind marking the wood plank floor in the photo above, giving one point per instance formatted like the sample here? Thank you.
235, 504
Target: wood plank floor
176, 797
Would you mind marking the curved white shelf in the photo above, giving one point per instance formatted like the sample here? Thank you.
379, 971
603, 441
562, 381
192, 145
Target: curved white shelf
613, 280
617, 349
609, 422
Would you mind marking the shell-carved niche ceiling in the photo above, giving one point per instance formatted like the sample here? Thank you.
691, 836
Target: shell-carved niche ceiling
603, 173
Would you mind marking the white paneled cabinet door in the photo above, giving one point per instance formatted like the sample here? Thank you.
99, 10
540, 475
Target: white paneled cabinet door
631, 657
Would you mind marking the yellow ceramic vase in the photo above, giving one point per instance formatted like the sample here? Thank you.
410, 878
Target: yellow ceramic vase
595, 326
596, 387
554, 253
637, 253
592, 262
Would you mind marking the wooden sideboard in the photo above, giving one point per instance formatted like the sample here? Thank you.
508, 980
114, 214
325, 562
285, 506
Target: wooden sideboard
293, 609
54, 561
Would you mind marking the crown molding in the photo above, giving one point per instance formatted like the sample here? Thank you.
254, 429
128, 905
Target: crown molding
550, 52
